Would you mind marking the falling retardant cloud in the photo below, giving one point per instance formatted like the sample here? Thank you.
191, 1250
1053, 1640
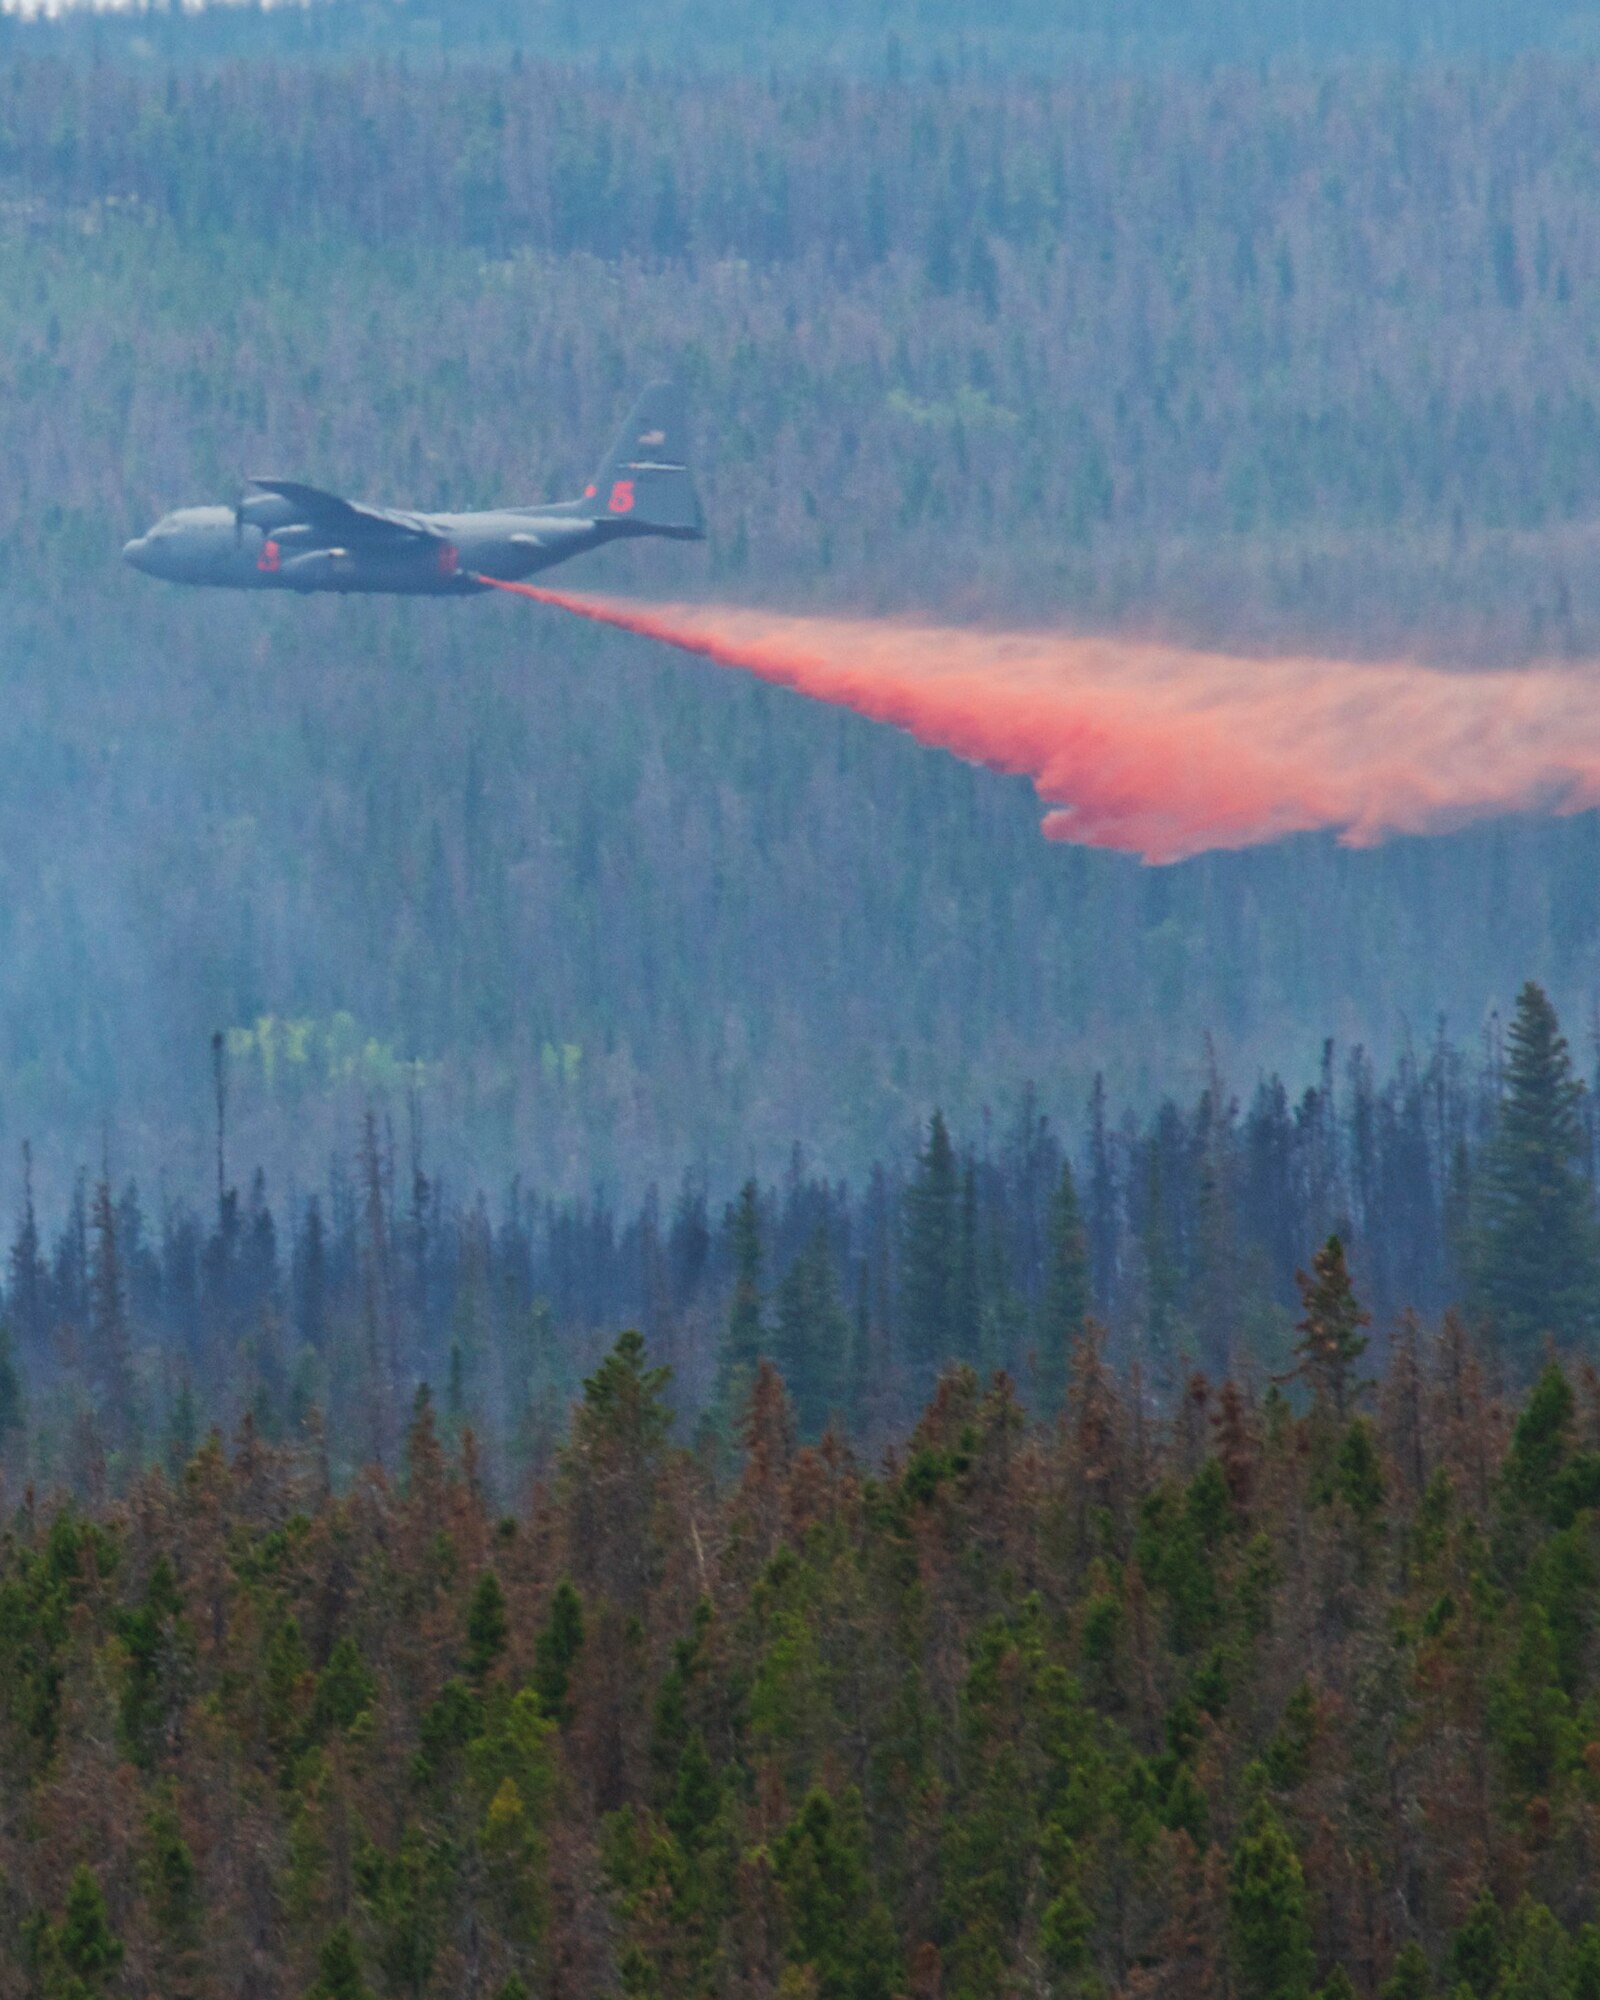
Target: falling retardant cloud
1164, 752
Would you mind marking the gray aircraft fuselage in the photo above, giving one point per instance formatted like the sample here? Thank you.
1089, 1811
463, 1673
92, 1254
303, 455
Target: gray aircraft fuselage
208, 545
286, 535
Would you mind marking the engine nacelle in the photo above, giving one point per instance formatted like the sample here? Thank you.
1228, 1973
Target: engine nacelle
318, 569
267, 511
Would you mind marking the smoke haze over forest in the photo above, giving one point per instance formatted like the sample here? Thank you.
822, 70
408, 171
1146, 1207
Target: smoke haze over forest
1249, 361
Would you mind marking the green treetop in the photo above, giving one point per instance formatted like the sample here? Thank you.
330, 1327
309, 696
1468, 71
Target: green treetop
931, 1270
1331, 1340
1267, 1905
743, 1338
1537, 1263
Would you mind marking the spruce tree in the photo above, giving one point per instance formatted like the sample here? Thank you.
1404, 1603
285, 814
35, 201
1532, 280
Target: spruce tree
11, 1402
172, 1881
1537, 1261
1331, 1340
837, 1927
1475, 1950
339, 1969
27, 1277
1410, 1979
1267, 1905
108, 1319
930, 1272
811, 1337
85, 1942
487, 1625
555, 1651
743, 1340
966, 1303
616, 1446
1065, 1305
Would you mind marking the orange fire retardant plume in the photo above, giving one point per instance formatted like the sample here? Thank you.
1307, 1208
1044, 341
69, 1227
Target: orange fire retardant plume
1165, 752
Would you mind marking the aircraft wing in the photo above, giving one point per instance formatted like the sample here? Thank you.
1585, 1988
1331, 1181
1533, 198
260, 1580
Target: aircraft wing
347, 520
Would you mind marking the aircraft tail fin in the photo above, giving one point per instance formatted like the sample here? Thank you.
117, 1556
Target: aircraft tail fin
644, 479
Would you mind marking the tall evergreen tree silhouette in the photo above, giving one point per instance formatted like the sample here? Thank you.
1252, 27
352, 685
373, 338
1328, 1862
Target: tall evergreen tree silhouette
1538, 1250
811, 1339
1065, 1304
740, 1352
1331, 1338
929, 1291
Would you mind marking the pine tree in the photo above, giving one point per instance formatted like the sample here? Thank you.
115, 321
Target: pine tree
108, 1318
1065, 1305
614, 1454
811, 1336
75, 1959
837, 1927
346, 1687
1163, 1281
1537, 1249
966, 1304
1410, 1979
11, 1401
1267, 1907
339, 1969
928, 1291
1475, 1950
25, 1289
556, 1651
1360, 1471
1331, 1341
172, 1883
1540, 1955
1541, 1443
311, 1279
487, 1625
743, 1340
183, 1430
1103, 1204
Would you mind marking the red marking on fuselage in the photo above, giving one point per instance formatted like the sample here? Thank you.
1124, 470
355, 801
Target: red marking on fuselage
621, 501
270, 558
449, 559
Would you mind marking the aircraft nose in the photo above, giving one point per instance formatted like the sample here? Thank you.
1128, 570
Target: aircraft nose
135, 552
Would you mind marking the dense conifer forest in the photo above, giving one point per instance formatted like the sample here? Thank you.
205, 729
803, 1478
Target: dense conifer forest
1461, 1184
1264, 1688
1281, 357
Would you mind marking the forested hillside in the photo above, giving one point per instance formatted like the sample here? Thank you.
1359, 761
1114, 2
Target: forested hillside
1460, 1184
1277, 360
1215, 1699
862, 36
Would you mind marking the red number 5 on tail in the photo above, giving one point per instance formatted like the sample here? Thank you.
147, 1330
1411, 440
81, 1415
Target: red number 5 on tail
622, 497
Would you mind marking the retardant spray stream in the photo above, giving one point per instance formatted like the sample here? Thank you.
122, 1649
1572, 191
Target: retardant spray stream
1164, 752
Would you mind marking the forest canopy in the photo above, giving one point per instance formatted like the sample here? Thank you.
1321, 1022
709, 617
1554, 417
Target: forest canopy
1244, 1693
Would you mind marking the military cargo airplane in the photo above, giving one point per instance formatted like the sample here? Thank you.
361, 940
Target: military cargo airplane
283, 535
